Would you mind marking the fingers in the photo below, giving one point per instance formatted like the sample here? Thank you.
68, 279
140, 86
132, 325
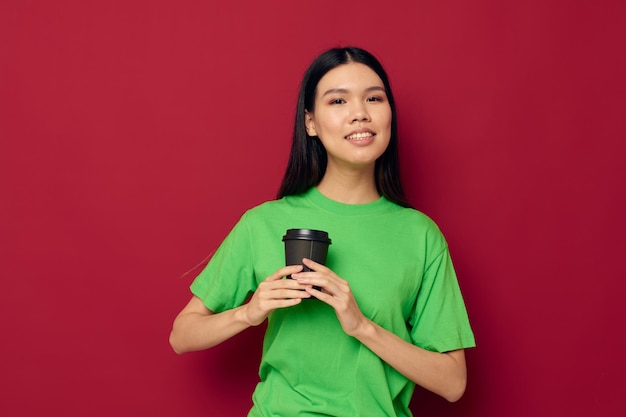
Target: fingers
275, 292
314, 265
257, 310
283, 272
335, 292
287, 289
321, 276
268, 301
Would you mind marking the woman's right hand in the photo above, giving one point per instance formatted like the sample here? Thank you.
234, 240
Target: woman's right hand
198, 328
275, 292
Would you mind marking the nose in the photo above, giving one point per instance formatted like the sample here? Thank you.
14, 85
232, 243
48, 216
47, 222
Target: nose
360, 113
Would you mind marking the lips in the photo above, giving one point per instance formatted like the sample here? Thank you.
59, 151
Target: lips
360, 135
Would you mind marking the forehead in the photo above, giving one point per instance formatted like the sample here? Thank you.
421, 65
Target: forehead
352, 76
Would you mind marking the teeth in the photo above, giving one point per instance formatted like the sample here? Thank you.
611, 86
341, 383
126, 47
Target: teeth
358, 136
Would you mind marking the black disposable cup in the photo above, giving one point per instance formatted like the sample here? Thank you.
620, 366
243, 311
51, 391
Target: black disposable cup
305, 243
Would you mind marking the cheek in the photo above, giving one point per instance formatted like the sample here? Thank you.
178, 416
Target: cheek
389, 116
383, 115
386, 119
332, 123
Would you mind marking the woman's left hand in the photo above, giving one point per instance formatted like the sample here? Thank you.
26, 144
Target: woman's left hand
335, 292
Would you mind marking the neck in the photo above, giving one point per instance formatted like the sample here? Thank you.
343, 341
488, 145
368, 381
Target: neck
349, 186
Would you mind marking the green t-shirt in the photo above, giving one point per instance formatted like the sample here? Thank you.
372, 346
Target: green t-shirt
399, 269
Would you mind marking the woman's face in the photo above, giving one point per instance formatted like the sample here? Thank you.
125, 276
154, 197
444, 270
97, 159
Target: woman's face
352, 116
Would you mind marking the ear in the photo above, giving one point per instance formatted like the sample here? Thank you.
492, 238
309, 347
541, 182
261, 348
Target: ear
309, 124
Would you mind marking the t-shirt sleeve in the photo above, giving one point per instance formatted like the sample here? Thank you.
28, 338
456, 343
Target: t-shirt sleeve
439, 321
228, 279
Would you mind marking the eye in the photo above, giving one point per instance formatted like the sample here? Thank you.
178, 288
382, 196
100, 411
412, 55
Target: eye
337, 101
374, 99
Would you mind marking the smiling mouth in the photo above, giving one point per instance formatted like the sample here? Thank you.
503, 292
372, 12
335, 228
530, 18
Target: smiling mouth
360, 136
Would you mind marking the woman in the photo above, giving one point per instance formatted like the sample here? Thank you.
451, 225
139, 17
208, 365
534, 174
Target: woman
352, 337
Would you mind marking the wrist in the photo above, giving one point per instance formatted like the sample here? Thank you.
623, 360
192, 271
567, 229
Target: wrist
241, 316
366, 330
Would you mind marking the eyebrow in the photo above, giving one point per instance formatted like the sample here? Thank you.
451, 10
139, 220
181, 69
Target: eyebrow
345, 90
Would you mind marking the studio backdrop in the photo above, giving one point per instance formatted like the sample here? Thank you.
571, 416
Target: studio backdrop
134, 134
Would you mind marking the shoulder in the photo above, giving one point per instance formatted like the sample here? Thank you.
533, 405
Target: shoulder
415, 217
417, 223
272, 208
269, 206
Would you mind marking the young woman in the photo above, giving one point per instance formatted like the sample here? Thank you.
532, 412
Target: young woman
388, 313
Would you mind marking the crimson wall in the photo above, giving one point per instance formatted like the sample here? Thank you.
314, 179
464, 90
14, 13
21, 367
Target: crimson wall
133, 134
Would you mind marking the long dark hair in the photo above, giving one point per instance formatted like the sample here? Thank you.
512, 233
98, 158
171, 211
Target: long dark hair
308, 159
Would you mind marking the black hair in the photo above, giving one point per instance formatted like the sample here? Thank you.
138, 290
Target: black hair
308, 159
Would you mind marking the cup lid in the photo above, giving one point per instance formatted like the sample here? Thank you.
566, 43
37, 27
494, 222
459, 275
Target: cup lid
307, 234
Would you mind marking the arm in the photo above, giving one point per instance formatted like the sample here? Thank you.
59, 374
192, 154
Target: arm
442, 373
198, 328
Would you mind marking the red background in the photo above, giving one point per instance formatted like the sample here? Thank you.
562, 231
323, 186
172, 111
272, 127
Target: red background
135, 133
